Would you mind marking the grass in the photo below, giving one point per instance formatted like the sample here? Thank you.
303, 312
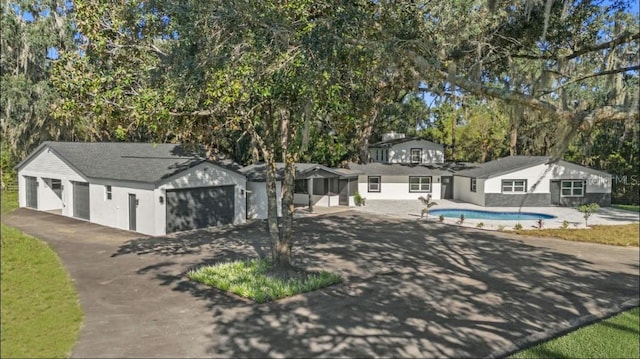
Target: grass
627, 207
621, 235
9, 201
250, 279
616, 337
41, 315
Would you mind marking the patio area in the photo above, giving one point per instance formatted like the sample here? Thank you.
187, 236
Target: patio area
412, 209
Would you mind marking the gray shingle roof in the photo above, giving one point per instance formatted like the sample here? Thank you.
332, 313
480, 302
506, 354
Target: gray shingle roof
257, 172
503, 165
139, 162
401, 169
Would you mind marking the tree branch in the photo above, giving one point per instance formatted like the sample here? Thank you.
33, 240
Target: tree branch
602, 73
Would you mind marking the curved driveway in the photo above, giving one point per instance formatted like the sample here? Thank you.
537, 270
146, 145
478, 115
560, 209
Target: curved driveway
411, 289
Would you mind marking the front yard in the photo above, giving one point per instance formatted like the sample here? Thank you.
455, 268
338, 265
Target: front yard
622, 235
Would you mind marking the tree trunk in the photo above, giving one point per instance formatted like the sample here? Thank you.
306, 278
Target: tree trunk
272, 201
365, 135
513, 140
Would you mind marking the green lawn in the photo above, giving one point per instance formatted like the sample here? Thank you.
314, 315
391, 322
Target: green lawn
250, 279
621, 235
616, 337
41, 315
627, 207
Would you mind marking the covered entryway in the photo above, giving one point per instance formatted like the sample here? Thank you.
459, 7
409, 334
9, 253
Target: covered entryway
192, 208
81, 200
31, 191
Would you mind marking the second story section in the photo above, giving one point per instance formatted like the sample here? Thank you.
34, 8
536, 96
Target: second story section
396, 148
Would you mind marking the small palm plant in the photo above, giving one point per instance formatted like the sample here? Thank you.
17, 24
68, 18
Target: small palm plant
428, 203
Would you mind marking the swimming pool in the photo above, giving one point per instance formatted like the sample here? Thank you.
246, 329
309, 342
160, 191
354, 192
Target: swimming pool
476, 214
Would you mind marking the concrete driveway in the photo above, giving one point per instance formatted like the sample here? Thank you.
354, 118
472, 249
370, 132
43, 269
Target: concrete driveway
411, 289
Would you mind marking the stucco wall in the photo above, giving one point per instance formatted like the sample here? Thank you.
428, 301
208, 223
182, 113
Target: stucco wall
115, 212
396, 187
462, 190
401, 153
258, 199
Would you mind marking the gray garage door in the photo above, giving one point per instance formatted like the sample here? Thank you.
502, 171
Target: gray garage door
81, 200
193, 208
31, 184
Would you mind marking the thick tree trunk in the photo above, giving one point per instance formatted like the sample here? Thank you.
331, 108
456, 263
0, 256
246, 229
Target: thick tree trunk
282, 253
365, 134
513, 140
272, 201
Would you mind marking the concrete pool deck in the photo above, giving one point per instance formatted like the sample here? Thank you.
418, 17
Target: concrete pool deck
412, 209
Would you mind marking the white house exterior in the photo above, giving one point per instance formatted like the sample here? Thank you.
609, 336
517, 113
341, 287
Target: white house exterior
133, 186
395, 148
532, 181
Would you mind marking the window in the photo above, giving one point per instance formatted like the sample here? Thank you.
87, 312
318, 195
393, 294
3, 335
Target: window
514, 186
573, 188
419, 184
374, 184
301, 186
56, 186
474, 184
416, 155
107, 192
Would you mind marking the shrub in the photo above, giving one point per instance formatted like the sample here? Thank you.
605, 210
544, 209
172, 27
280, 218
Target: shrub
517, 227
480, 225
565, 224
358, 199
587, 210
428, 203
441, 218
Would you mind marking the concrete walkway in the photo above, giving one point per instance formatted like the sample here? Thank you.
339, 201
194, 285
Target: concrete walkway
411, 209
411, 289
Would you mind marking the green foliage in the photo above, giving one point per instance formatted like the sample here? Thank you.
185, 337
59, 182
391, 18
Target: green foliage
251, 279
587, 210
480, 225
41, 315
441, 218
616, 337
427, 202
9, 201
628, 207
358, 199
517, 227
565, 224
622, 235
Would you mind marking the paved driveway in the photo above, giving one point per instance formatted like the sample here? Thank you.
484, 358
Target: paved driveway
411, 289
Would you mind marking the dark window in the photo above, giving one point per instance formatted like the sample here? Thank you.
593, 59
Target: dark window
473, 184
416, 155
302, 186
107, 192
374, 184
514, 186
420, 184
572, 188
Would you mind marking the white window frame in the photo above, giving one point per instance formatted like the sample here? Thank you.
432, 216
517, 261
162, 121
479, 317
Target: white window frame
474, 184
419, 155
509, 186
423, 184
108, 192
572, 188
376, 186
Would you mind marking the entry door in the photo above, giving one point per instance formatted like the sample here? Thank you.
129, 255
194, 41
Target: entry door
31, 191
133, 205
81, 200
554, 189
343, 186
447, 187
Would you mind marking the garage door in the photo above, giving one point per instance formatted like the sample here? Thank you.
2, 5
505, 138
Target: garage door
31, 184
81, 200
202, 207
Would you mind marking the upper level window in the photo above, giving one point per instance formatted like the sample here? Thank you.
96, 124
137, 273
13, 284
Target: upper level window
374, 184
416, 155
573, 188
474, 184
420, 184
514, 186
107, 192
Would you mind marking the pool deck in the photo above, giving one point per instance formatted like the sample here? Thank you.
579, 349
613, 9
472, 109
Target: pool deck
412, 209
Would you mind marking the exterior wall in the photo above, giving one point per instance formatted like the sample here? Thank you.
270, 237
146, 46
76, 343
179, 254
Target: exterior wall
46, 164
401, 153
396, 187
115, 212
202, 175
517, 200
258, 199
302, 199
462, 190
539, 179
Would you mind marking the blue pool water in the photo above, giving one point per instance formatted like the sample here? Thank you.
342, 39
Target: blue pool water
474, 214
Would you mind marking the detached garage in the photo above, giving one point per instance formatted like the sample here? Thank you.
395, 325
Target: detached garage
149, 188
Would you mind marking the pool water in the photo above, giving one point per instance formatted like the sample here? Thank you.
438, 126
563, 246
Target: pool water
476, 214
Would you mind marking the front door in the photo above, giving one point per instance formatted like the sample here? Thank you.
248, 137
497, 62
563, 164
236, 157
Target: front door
554, 189
133, 205
343, 187
447, 187
31, 191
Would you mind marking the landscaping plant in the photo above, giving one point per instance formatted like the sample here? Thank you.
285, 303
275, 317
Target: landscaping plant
587, 210
441, 218
480, 225
428, 203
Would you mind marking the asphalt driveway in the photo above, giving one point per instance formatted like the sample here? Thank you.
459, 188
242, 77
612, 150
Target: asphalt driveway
411, 289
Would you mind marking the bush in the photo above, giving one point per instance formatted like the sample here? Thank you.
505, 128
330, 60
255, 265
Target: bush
441, 218
587, 210
358, 199
480, 225
517, 227
565, 224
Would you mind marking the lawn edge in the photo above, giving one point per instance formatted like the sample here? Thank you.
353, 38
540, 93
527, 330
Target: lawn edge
560, 330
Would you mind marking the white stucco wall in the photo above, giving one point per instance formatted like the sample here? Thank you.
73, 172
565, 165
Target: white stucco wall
431, 152
396, 187
46, 164
462, 190
115, 212
258, 199
203, 175
543, 174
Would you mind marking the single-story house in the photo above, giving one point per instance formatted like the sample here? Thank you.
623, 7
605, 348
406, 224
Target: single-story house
531, 181
315, 185
149, 188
